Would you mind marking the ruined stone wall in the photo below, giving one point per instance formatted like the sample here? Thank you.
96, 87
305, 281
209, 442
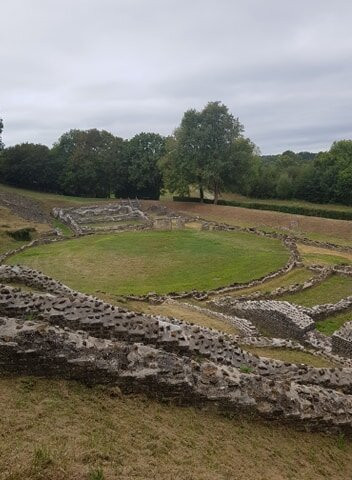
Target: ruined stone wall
342, 340
77, 336
50, 351
278, 318
82, 220
319, 312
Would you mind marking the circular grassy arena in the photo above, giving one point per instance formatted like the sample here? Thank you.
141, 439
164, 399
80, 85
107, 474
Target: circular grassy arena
140, 262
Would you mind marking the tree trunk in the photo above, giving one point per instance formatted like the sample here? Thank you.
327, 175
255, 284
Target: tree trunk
216, 196
201, 194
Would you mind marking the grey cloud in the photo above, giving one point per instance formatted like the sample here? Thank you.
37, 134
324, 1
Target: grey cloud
129, 65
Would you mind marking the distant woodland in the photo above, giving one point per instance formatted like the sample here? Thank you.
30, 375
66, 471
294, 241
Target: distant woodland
207, 153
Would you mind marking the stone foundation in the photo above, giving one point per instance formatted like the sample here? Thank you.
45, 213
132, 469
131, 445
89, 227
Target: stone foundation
342, 340
278, 318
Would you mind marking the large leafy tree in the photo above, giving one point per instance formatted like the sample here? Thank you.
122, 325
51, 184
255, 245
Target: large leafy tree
28, 165
143, 154
209, 151
88, 161
335, 170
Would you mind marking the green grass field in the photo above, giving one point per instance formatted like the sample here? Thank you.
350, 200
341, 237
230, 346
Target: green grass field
330, 290
60, 430
139, 262
330, 324
297, 275
323, 256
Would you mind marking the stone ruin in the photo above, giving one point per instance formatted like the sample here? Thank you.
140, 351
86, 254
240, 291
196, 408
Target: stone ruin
342, 340
52, 330
162, 223
71, 335
119, 216
104, 217
277, 318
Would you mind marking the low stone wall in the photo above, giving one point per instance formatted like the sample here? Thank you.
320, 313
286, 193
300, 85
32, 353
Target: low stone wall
32, 278
278, 318
319, 312
294, 288
82, 312
342, 340
80, 219
40, 349
77, 336
38, 241
242, 324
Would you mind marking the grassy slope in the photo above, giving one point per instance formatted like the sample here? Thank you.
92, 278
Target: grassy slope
9, 221
51, 200
293, 203
330, 291
297, 275
288, 355
140, 262
324, 256
58, 430
330, 324
322, 229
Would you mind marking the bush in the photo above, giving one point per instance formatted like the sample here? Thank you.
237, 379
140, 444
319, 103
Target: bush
21, 235
310, 212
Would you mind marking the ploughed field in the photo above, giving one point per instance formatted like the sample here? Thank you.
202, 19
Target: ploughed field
141, 262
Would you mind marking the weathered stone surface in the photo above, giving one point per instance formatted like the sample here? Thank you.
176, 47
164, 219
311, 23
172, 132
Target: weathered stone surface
342, 340
85, 219
280, 318
162, 223
39, 349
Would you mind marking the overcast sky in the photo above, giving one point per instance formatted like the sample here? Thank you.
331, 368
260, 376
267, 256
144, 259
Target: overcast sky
283, 67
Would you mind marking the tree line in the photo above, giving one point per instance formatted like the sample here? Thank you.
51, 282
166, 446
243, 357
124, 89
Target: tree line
207, 153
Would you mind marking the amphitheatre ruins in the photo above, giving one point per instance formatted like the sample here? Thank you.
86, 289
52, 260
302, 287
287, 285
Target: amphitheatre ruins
49, 329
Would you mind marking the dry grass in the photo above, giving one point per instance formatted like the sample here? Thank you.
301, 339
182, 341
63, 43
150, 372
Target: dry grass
50, 200
294, 203
10, 221
182, 313
338, 231
289, 355
326, 256
59, 430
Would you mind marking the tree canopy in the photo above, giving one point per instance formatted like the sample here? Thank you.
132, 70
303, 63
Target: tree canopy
207, 151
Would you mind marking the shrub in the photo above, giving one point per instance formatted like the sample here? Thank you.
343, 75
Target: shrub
42, 458
97, 474
246, 369
21, 235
